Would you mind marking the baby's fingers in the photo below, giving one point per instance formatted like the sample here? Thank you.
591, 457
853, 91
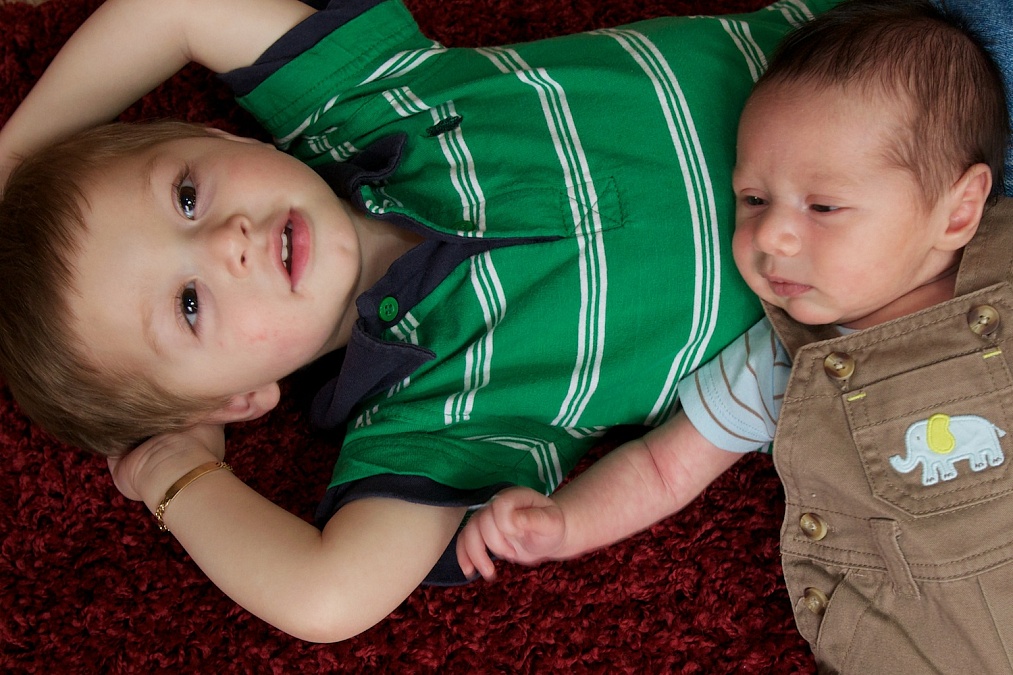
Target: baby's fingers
472, 555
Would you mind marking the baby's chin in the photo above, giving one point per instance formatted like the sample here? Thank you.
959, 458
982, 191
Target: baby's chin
809, 314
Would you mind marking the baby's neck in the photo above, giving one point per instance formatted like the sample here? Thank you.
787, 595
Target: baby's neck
936, 290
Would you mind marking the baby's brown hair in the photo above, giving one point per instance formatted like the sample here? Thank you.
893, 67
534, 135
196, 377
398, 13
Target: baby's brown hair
42, 359
911, 51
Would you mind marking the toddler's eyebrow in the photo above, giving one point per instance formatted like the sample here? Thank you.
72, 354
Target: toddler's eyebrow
148, 330
147, 310
147, 172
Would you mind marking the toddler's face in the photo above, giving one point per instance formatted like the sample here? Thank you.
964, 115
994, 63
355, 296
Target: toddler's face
214, 266
827, 228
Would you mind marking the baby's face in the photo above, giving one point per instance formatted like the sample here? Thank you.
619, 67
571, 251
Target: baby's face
215, 266
827, 227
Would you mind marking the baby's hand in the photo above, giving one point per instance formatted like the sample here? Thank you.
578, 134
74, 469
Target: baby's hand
518, 524
148, 470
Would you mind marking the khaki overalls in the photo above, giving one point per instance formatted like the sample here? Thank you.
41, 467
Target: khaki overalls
895, 447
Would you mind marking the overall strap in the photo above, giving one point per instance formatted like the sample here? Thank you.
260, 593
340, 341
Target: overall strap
988, 257
795, 335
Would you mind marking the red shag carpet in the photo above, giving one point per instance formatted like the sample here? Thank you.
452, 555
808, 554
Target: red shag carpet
89, 585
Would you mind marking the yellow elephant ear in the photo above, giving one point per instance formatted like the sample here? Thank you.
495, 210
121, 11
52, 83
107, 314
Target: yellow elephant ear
938, 436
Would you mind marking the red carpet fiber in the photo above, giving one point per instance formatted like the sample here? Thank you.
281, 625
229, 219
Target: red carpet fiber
89, 585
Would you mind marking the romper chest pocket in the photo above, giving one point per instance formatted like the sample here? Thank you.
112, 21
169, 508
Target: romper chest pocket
938, 437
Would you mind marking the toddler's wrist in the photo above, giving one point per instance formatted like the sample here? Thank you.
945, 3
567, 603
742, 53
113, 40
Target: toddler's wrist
166, 466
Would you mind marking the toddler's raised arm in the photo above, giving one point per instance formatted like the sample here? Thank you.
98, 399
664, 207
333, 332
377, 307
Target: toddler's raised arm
320, 586
628, 490
126, 48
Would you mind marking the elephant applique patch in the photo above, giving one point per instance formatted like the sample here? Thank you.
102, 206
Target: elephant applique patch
941, 441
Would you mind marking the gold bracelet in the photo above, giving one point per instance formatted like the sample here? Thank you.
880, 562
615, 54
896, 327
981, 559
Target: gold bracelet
178, 486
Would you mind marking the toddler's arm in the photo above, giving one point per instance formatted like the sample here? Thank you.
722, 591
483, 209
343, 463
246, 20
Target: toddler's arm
319, 586
126, 48
628, 490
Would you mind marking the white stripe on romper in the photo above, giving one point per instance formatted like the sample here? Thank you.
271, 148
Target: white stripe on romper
543, 452
404, 101
582, 197
484, 277
794, 11
397, 65
703, 213
404, 62
743, 39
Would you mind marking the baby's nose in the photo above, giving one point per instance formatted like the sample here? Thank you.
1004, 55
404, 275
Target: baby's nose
777, 235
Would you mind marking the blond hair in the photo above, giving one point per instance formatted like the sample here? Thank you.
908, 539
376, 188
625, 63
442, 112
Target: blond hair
41, 357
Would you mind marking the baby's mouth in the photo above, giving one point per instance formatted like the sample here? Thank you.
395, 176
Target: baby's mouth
286, 248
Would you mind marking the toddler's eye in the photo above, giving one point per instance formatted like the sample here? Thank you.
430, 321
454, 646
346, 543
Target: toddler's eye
186, 197
753, 200
823, 208
188, 304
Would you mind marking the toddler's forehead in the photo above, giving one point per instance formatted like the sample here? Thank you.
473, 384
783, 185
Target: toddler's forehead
122, 183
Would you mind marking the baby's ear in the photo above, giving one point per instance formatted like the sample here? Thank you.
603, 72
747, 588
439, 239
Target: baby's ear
966, 204
245, 407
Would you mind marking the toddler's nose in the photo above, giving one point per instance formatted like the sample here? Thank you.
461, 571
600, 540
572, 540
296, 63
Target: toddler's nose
230, 243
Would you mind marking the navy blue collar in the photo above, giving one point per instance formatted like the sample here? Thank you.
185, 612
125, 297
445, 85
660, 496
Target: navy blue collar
371, 364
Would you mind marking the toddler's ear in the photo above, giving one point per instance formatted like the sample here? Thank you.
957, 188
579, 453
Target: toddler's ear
248, 406
221, 133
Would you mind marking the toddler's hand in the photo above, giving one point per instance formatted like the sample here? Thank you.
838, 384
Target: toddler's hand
518, 524
148, 470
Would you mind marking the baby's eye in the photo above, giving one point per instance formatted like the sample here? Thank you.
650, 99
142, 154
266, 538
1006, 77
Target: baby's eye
824, 208
753, 200
188, 304
186, 197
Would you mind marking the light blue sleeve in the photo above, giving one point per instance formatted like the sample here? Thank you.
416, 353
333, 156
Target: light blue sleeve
735, 399
992, 20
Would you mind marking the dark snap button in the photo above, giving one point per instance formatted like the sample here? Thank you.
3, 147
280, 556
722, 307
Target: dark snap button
388, 309
445, 125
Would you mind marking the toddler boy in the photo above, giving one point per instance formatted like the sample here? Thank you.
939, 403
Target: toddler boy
518, 247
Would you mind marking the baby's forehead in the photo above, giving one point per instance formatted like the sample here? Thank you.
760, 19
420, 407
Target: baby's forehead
889, 117
870, 94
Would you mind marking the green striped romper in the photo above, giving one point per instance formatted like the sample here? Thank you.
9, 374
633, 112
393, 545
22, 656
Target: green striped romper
576, 198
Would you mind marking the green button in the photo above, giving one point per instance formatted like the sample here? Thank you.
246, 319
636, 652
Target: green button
388, 309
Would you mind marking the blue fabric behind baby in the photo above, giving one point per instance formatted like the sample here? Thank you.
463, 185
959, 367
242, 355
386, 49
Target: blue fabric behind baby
992, 20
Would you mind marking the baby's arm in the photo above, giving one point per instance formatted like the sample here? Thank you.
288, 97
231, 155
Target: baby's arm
628, 490
126, 48
319, 586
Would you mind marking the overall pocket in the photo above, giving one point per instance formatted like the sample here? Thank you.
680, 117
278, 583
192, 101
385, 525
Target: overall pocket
928, 441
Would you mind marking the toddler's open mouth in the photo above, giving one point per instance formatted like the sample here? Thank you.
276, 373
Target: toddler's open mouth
286, 248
